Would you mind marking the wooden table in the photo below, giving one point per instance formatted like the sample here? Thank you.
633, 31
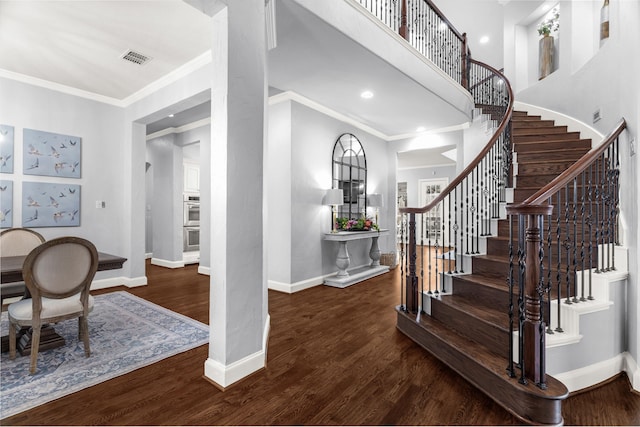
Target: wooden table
11, 271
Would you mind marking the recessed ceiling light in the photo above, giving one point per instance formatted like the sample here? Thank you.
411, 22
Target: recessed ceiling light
484, 39
367, 94
170, 115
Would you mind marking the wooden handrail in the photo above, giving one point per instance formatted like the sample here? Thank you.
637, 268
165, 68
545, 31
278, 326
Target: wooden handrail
542, 196
444, 18
476, 161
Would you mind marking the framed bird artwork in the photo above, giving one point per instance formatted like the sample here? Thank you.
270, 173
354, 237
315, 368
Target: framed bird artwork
51, 154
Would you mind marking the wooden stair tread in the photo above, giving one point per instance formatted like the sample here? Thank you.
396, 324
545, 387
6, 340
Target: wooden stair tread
488, 280
493, 314
486, 370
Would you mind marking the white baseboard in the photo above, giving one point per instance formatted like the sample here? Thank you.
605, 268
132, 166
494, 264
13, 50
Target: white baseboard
204, 270
119, 281
226, 375
148, 255
290, 288
167, 263
588, 376
633, 371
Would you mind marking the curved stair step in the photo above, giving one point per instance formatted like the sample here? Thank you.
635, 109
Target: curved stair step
486, 371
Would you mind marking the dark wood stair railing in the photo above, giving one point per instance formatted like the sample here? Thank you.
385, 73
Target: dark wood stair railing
595, 206
449, 230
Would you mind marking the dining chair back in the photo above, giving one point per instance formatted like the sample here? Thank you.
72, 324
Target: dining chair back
58, 274
17, 242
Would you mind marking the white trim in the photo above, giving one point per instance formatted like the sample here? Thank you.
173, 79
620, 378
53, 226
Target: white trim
290, 288
294, 96
180, 129
225, 375
148, 255
175, 75
204, 270
119, 281
573, 125
443, 165
167, 263
633, 371
60, 88
172, 77
598, 372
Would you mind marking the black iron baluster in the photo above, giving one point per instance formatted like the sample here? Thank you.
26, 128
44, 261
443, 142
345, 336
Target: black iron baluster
549, 256
442, 217
582, 218
429, 217
403, 260
472, 206
597, 194
603, 200
606, 170
455, 229
616, 203
476, 235
437, 247
469, 209
510, 368
521, 315
449, 227
559, 267
590, 225
422, 217
541, 292
575, 240
567, 243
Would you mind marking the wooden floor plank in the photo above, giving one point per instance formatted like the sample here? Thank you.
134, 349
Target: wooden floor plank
335, 358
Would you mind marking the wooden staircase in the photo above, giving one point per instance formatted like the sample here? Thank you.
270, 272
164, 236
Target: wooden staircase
468, 327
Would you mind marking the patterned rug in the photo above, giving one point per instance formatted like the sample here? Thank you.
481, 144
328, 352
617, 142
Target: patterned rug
126, 333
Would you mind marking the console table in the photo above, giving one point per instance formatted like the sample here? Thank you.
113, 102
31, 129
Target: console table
345, 277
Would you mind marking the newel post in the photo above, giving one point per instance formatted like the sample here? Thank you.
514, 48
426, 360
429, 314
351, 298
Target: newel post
403, 21
533, 327
412, 278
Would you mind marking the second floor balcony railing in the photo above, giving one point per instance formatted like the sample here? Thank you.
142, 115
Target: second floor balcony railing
422, 24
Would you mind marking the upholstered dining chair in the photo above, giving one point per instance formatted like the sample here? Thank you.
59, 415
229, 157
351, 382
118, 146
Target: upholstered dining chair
58, 273
17, 242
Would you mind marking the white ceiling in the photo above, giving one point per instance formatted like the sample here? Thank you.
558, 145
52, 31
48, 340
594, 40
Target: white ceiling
79, 44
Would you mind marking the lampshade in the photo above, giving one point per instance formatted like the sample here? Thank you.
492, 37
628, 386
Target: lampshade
375, 200
334, 197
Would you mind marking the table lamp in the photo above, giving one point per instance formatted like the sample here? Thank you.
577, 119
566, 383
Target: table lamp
334, 198
375, 201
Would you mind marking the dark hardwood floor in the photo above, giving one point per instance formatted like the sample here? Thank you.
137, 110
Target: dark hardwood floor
334, 358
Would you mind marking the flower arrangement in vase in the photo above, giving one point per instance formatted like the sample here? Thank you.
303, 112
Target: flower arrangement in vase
361, 224
551, 23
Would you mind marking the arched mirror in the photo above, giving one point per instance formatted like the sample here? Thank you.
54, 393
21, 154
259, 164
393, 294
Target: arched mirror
350, 175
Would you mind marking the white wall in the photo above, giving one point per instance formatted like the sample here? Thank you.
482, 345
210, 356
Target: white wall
102, 129
300, 150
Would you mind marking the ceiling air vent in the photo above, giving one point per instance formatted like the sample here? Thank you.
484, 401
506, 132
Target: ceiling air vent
135, 57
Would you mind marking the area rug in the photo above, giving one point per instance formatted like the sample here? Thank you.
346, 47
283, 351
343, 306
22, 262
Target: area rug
126, 333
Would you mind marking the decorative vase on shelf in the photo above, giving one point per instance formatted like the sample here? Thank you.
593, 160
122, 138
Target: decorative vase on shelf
545, 56
604, 21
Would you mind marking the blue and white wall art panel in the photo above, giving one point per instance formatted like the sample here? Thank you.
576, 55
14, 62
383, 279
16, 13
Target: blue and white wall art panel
6, 203
51, 154
50, 205
6, 149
